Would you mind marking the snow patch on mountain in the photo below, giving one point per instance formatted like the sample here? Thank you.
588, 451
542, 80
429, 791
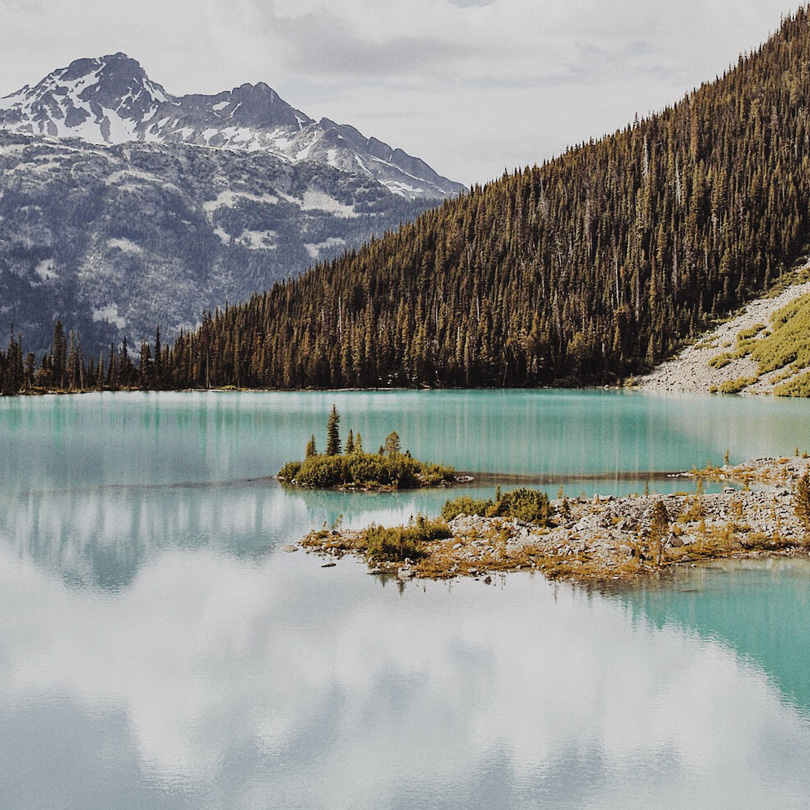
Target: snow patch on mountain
315, 249
45, 270
109, 314
318, 201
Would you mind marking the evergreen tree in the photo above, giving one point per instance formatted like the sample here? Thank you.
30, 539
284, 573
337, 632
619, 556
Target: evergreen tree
157, 381
75, 364
59, 356
801, 501
311, 450
393, 446
350, 443
358, 443
100, 373
145, 371
112, 370
333, 433
583, 270
659, 527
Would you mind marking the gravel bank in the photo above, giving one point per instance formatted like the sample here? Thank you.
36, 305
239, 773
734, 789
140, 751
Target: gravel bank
690, 372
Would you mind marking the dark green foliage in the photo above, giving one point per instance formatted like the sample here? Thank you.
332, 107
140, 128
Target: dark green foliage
401, 542
586, 269
365, 470
320, 471
530, 505
333, 433
393, 469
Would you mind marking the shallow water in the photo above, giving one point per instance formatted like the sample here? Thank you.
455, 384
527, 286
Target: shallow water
158, 650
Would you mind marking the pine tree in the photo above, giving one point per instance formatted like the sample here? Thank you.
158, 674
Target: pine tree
59, 356
801, 500
311, 450
333, 433
358, 443
100, 373
157, 381
659, 527
392, 444
145, 380
350, 443
75, 364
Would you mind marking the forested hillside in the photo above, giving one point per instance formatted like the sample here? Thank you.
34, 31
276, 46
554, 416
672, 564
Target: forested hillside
586, 269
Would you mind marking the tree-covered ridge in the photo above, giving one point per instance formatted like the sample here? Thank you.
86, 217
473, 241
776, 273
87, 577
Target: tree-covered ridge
586, 269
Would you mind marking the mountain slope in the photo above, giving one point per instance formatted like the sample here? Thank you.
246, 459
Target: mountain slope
111, 101
116, 240
587, 269
123, 207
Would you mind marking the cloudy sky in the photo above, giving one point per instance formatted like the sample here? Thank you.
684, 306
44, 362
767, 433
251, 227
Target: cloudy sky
471, 86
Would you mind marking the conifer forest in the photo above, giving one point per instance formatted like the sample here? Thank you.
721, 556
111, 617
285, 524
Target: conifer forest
584, 270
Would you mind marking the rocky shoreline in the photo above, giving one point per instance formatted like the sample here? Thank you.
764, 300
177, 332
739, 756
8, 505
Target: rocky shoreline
606, 538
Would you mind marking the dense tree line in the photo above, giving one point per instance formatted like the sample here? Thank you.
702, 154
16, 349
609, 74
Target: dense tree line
586, 269
65, 367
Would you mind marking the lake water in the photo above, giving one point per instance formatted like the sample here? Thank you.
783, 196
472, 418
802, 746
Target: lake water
158, 650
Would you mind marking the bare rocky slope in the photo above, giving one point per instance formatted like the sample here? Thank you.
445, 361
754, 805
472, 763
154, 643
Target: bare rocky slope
726, 358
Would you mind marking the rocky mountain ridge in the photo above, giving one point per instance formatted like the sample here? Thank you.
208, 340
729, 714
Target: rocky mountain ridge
110, 100
123, 207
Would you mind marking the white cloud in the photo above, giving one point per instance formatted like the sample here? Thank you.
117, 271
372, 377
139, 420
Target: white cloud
208, 667
469, 85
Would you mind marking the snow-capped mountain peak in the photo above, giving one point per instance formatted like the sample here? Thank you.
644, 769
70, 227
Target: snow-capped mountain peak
111, 100
102, 100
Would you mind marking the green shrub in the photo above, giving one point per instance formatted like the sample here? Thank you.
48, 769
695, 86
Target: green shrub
366, 469
530, 505
323, 471
797, 387
399, 542
746, 334
721, 360
734, 386
289, 471
465, 505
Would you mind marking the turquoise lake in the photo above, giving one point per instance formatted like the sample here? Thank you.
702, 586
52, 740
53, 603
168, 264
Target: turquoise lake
159, 650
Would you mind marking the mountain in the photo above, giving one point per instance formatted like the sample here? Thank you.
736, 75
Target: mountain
112, 101
123, 207
587, 269
116, 240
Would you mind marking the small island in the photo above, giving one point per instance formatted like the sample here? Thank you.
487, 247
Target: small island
352, 469
599, 539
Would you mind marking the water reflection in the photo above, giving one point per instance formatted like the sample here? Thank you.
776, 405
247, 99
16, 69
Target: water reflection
158, 650
761, 608
215, 681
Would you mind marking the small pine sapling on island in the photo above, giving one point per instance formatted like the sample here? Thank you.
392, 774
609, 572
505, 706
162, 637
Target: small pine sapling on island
801, 501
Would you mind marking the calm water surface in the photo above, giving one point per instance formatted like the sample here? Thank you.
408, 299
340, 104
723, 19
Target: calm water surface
158, 650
